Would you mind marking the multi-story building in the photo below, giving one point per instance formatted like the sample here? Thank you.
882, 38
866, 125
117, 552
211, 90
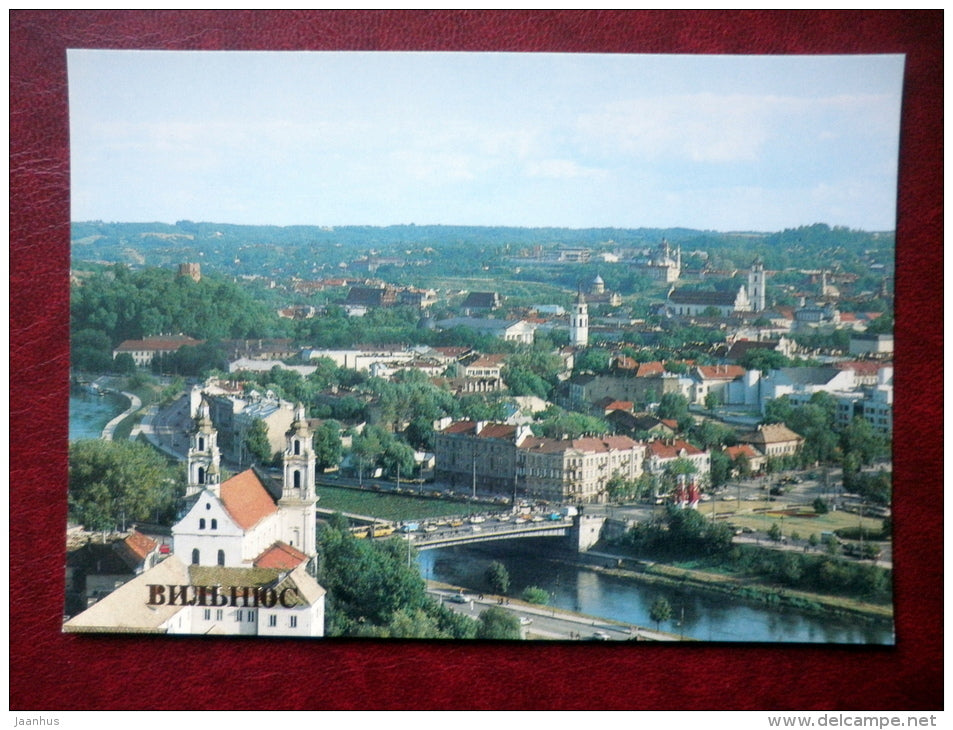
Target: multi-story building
660, 453
576, 470
478, 454
774, 440
144, 351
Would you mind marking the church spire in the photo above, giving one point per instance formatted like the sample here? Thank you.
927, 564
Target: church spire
579, 321
203, 456
298, 496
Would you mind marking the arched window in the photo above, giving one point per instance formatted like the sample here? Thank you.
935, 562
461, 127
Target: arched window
214, 524
297, 479
297, 448
201, 475
195, 556
202, 524
201, 443
221, 557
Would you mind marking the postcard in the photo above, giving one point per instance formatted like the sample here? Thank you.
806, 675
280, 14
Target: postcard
499, 346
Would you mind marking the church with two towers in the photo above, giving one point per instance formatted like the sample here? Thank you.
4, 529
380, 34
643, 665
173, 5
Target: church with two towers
244, 553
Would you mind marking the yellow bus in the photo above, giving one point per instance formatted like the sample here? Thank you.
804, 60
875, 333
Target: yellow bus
376, 530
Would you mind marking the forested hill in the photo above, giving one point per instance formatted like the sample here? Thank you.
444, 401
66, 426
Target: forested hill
307, 250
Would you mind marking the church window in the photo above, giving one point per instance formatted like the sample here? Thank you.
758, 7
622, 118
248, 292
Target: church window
201, 475
195, 556
201, 443
214, 524
208, 506
297, 479
202, 524
297, 447
221, 557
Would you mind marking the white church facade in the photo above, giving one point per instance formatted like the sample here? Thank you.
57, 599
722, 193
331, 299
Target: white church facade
747, 298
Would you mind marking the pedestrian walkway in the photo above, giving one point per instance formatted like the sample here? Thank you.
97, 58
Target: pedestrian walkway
134, 405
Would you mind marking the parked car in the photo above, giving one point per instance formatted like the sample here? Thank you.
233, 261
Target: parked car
458, 598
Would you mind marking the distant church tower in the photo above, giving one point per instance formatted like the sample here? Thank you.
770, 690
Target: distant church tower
296, 506
203, 458
756, 284
579, 322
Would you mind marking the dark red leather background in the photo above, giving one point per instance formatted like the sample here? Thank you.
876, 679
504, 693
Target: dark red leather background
50, 671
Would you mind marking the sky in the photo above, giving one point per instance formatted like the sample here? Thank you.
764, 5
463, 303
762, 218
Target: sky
725, 143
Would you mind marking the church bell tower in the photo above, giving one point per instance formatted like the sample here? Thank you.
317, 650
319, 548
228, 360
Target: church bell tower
298, 494
203, 457
756, 286
579, 322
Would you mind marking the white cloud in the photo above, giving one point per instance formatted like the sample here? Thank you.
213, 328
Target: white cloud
562, 169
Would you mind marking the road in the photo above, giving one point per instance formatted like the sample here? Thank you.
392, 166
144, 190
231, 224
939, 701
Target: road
544, 623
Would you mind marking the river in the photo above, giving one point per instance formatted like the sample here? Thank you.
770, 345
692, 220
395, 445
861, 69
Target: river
696, 615
89, 414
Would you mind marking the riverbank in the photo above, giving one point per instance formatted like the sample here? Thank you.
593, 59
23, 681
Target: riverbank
579, 624
654, 573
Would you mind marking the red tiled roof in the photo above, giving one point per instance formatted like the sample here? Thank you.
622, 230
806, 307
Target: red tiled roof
497, 431
588, 444
280, 555
743, 450
157, 343
720, 372
647, 369
140, 545
666, 450
246, 499
460, 427
487, 360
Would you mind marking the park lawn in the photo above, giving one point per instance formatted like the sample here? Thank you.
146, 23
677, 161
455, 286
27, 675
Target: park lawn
801, 519
395, 507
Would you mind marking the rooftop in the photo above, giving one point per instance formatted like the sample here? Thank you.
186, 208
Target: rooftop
246, 499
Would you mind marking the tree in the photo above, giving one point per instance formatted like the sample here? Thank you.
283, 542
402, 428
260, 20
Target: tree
124, 363
557, 423
497, 578
764, 360
535, 594
327, 445
497, 623
661, 611
368, 581
256, 441
674, 406
860, 445
620, 488
114, 483
592, 360
91, 350
721, 466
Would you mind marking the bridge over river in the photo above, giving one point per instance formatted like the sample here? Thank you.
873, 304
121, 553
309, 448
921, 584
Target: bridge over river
581, 531
488, 532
